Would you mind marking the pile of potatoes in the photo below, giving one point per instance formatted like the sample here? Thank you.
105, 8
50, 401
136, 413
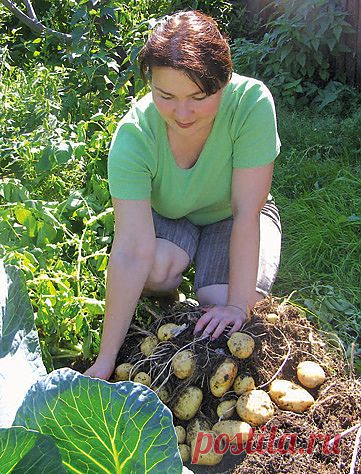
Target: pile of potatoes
241, 405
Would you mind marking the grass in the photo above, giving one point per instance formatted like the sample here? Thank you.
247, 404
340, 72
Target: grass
317, 186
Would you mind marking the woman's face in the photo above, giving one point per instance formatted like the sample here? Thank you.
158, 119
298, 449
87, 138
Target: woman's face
185, 108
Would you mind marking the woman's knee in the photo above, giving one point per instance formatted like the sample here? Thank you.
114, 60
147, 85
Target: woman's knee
169, 263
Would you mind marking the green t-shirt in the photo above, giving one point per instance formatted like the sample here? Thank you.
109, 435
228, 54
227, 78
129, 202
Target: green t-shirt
141, 164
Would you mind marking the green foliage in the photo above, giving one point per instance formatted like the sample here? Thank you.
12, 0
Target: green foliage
220, 10
295, 54
67, 420
63, 249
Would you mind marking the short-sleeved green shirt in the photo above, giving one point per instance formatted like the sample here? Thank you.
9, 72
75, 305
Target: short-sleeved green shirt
141, 164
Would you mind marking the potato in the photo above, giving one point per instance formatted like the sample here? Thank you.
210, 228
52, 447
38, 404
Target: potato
166, 331
226, 409
122, 371
255, 407
181, 434
185, 452
144, 378
188, 403
184, 364
243, 384
194, 426
162, 393
223, 378
209, 459
289, 396
272, 318
149, 344
310, 374
232, 427
241, 345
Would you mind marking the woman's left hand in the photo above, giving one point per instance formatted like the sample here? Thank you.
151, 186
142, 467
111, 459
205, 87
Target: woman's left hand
215, 320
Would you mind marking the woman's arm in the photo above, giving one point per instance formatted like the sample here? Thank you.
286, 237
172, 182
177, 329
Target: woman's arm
129, 265
250, 188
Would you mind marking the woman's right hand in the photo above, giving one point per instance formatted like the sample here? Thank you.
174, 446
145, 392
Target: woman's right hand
101, 369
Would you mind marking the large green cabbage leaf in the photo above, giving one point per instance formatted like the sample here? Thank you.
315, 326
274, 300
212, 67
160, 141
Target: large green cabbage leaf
20, 356
66, 421
118, 427
23, 450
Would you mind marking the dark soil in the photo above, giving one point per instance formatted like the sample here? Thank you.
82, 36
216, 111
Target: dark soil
278, 346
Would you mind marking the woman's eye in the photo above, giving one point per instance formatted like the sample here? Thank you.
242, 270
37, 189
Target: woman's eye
165, 98
199, 98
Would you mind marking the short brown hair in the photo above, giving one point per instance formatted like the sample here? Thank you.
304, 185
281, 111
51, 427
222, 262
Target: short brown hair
191, 42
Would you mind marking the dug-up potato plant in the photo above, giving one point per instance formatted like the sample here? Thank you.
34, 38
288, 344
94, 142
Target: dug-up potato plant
276, 366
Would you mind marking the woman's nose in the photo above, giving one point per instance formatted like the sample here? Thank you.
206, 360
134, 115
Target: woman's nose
182, 111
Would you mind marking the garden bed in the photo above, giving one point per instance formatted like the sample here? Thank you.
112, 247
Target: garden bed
279, 347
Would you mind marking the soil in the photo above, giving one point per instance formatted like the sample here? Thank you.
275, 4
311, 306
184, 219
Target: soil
279, 347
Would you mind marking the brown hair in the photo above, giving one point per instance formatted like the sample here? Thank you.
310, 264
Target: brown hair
191, 42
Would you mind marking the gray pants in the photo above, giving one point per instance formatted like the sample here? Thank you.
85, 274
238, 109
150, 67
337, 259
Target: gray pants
208, 246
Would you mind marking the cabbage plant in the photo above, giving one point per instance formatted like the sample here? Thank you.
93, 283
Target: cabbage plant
67, 422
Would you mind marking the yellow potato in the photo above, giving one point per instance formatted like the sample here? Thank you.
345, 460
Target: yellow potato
185, 452
241, 345
166, 331
181, 434
310, 374
289, 396
162, 393
243, 384
122, 371
149, 344
232, 428
188, 403
184, 364
255, 407
194, 426
272, 318
144, 378
209, 459
223, 378
226, 409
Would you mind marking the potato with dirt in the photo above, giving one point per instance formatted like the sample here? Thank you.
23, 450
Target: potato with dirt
184, 364
181, 434
310, 374
167, 331
290, 396
144, 378
255, 407
226, 409
197, 424
185, 452
233, 428
243, 384
241, 345
162, 393
207, 459
223, 377
188, 403
149, 344
122, 372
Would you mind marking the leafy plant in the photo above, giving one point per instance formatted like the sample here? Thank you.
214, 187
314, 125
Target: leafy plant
295, 54
66, 421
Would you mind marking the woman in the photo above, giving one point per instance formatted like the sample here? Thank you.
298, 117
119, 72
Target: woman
190, 170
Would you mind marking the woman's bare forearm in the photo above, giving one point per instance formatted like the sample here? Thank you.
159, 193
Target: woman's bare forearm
127, 275
244, 256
